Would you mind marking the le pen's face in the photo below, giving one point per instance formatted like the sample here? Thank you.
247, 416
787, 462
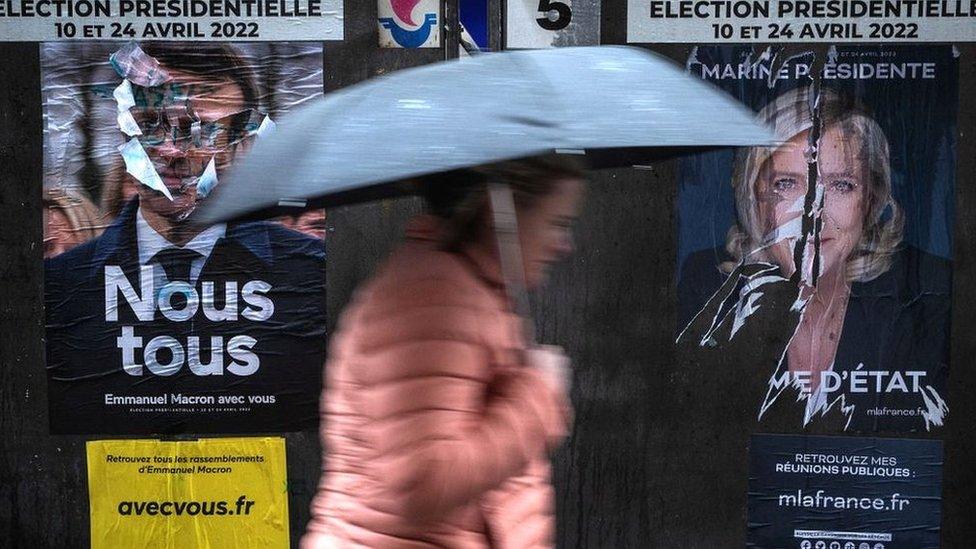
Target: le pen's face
545, 229
186, 122
782, 187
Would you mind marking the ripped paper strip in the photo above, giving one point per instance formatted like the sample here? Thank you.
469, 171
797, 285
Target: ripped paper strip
131, 63
208, 180
267, 127
138, 165
125, 101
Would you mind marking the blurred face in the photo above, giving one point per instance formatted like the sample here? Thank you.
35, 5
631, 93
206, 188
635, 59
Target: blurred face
783, 184
544, 229
185, 123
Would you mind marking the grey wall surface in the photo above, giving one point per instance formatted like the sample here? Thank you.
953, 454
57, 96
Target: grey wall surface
658, 457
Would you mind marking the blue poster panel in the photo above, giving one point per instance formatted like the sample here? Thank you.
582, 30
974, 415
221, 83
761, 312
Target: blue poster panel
808, 492
474, 18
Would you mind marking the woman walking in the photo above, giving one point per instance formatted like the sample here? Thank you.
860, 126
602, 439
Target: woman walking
436, 419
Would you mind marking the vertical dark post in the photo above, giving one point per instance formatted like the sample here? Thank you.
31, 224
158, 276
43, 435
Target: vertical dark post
451, 38
270, 77
496, 24
90, 176
41, 477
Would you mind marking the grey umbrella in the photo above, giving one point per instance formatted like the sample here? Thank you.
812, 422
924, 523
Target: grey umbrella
614, 104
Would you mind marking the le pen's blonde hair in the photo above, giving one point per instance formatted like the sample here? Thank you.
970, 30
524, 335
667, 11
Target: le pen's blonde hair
791, 114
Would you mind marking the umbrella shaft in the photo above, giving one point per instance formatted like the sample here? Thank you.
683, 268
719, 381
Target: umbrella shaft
505, 224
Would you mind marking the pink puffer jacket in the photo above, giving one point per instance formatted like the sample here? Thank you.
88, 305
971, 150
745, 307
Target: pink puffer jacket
434, 434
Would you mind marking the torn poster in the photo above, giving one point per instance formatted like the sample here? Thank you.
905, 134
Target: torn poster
825, 264
156, 324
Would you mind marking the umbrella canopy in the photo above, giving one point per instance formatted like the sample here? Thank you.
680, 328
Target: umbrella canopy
612, 102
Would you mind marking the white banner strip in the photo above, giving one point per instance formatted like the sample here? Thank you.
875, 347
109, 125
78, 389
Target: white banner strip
219, 20
744, 21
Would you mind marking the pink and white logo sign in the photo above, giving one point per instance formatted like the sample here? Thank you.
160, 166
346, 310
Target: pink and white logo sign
409, 23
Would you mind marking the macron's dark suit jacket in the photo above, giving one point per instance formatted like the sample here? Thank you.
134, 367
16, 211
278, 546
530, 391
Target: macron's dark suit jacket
84, 361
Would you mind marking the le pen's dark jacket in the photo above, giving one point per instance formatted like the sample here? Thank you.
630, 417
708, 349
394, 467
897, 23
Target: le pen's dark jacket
898, 322
85, 363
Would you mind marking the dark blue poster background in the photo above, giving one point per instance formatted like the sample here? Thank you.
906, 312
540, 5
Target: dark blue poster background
474, 17
810, 492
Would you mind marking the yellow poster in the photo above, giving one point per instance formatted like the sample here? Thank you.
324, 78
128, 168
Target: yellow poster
209, 493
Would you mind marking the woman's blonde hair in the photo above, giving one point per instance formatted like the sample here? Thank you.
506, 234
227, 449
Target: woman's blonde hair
791, 114
82, 215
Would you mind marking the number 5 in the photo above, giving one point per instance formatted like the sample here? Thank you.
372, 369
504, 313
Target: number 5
565, 15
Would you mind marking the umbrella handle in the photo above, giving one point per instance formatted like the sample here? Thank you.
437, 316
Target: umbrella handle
505, 225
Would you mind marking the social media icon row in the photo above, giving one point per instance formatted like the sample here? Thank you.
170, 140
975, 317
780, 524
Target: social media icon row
807, 544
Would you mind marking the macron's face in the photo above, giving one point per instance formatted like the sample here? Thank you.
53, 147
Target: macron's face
167, 115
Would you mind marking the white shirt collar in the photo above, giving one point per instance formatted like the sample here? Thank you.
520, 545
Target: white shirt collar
151, 242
